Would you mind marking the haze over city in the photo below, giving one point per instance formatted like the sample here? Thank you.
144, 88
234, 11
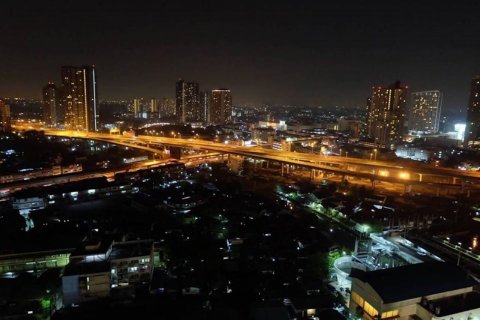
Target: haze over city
282, 52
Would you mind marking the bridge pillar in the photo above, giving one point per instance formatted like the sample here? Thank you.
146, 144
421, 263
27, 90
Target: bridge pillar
281, 164
438, 191
463, 185
408, 188
176, 152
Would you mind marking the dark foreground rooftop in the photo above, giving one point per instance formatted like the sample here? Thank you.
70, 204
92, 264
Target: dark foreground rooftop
415, 280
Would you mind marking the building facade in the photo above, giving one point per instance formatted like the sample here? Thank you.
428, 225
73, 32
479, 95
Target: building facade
205, 99
221, 106
138, 107
187, 101
51, 105
472, 131
167, 108
386, 115
5, 117
417, 291
153, 108
425, 112
80, 96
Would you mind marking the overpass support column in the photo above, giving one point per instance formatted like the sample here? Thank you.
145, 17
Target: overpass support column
281, 164
463, 185
408, 188
420, 177
438, 191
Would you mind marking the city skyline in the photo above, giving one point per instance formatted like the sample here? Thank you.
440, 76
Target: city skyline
271, 45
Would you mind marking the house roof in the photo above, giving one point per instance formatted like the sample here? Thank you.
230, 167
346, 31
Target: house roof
415, 280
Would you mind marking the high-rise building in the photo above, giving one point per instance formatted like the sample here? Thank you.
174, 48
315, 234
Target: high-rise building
5, 120
221, 106
472, 131
80, 97
187, 101
153, 106
386, 114
168, 108
205, 98
51, 105
138, 107
425, 112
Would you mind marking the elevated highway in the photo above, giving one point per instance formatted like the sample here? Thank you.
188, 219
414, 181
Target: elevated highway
408, 175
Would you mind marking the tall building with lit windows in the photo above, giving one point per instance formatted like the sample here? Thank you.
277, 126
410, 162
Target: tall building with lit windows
472, 131
221, 106
5, 117
187, 101
153, 107
168, 108
425, 112
80, 98
205, 98
52, 105
386, 114
138, 107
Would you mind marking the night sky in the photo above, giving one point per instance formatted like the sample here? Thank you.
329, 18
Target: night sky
288, 52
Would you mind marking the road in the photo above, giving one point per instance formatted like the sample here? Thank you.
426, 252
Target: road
418, 174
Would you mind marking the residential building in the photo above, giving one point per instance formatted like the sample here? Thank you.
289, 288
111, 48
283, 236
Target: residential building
221, 106
205, 101
168, 108
187, 101
425, 112
80, 96
386, 115
153, 108
472, 131
51, 105
5, 117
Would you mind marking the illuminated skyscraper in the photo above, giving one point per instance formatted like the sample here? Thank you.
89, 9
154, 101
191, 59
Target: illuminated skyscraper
153, 106
472, 131
187, 101
168, 107
138, 107
5, 120
205, 98
221, 106
425, 111
51, 105
80, 96
386, 115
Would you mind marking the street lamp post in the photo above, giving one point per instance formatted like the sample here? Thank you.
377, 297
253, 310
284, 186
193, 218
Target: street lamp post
375, 151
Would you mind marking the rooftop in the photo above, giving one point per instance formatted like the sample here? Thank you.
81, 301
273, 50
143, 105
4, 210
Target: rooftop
84, 268
454, 304
415, 280
122, 250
